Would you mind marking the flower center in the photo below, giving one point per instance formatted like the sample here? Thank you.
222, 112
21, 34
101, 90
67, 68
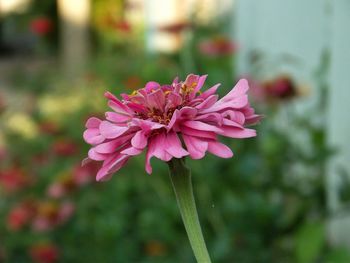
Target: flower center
172, 98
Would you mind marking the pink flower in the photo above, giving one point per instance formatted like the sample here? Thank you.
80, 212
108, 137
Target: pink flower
84, 174
50, 214
282, 87
168, 121
218, 46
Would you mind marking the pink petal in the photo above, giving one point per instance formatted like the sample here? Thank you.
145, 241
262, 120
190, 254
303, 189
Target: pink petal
150, 154
146, 125
151, 86
209, 92
174, 100
110, 96
183, 113
93, 155
120, 108
160, 148
116, 166
110, 166
208, 102
93, 136
235, 103
174, 146
195, 146
156, 99
139, 140
231, 123
198, 133
238, 133
117, 118
86, 161
213, 117
235, 116
200, 83
110, 130
92, 122
131, 151
198, 125
238, 90
219, 149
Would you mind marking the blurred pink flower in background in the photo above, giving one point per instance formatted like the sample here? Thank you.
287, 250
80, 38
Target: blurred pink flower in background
44, 253
282, 87
62, 186
50, 214
218, 46
41, 25
85, 174
153, 117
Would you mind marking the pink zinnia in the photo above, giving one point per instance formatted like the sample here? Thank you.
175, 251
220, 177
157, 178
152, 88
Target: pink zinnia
169, 121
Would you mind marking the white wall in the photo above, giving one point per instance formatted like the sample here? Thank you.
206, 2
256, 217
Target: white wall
303, 29
339, 118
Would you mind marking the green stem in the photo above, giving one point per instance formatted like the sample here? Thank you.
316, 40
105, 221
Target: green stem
180, 176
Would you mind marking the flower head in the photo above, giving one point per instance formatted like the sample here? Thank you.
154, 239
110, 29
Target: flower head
168, 121
282, 87
218, 46
41, 26
44, 253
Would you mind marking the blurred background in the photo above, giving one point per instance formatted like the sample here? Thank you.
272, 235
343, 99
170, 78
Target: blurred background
285, 195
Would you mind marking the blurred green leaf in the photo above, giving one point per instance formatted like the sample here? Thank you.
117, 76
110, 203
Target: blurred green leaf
310, 240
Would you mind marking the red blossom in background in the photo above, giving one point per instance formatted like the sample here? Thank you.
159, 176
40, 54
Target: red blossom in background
122, 26
65, 147
41, 26
282, 87
20, 215
44, 253
49, 127
174, 28
13, 179
217, 46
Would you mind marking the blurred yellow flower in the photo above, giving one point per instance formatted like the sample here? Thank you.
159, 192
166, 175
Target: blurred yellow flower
57, 107
21, 124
